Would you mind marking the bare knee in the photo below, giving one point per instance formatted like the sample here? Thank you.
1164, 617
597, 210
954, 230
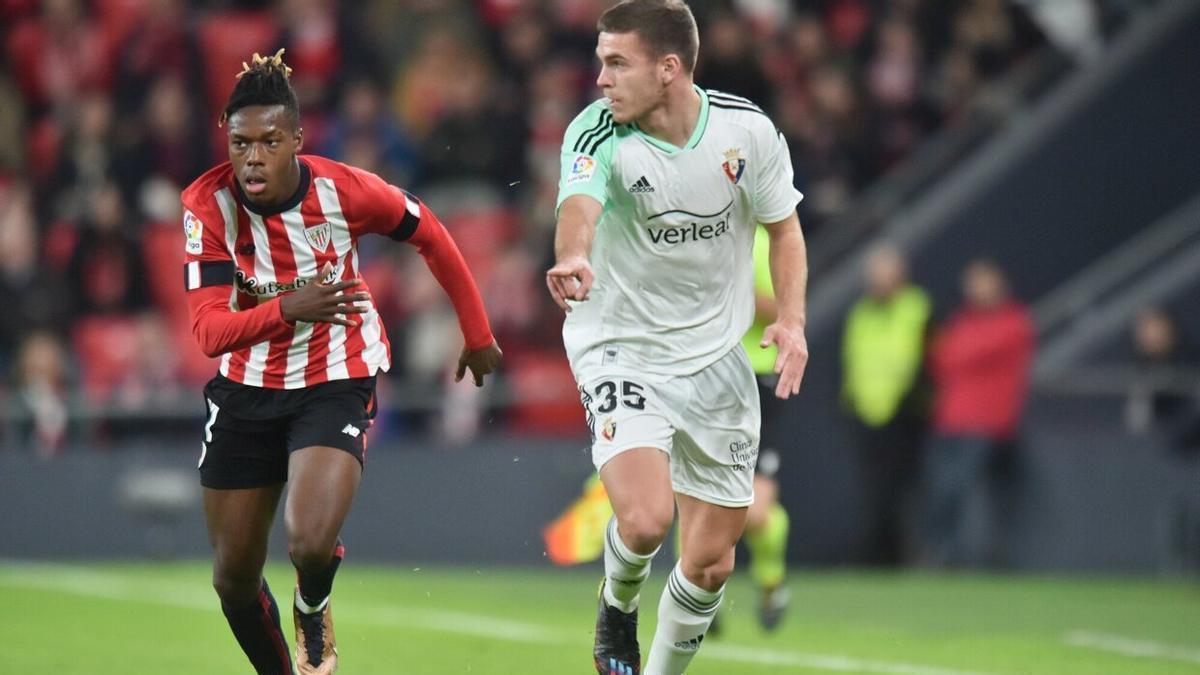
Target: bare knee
643, 529
708, 571
236, 586
310, 553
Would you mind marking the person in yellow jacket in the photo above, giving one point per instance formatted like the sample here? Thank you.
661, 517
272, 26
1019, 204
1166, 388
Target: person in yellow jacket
767, 521
883, 349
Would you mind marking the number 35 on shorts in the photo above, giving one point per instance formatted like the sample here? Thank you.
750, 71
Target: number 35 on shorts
605, 398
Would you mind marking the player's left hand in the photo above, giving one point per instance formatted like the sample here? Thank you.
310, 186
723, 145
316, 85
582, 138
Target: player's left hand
480, 361
792, 357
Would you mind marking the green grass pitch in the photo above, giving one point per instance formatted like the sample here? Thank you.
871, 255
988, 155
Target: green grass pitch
163, 618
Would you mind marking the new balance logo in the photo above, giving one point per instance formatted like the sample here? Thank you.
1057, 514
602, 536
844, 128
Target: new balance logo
690, 645
642, 185
351, 431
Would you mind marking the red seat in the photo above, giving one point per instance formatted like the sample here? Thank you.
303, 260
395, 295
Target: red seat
107, 348
226, 40
545, 398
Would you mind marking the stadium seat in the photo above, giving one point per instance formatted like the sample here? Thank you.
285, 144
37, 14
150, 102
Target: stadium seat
545, 399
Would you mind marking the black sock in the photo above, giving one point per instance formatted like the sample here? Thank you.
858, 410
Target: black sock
315, 587
256, 627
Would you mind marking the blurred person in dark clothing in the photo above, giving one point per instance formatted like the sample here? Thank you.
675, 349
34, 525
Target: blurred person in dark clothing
1162, 395
729, 62
86, 158
105, 273
161, 44
33, 299
883, 347
170, 140
479, 135
365, 118
1164, 400
40, 382
979, 362
901, 116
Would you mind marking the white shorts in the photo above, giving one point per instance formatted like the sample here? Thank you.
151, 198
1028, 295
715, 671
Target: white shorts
708, 423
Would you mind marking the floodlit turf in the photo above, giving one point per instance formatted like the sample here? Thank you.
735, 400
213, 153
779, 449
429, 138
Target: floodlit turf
151, 619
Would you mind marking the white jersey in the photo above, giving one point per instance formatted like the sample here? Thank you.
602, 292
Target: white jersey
674, 288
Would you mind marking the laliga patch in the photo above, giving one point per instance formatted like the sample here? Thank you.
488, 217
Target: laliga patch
582, 170
193, 229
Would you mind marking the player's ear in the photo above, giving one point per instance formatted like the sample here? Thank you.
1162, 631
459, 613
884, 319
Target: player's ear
299, 138
669, 68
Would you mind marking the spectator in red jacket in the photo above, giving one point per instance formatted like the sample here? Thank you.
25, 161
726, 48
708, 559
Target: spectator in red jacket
979, 361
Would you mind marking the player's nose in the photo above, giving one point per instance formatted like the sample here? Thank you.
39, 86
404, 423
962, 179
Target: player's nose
603, 80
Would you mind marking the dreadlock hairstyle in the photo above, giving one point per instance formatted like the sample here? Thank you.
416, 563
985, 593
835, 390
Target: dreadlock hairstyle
263, 81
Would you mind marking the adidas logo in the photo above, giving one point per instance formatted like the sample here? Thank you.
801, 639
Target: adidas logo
642, 185
692, 644
616, 667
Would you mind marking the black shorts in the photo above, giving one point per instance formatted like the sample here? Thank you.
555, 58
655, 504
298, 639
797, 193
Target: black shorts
249, 432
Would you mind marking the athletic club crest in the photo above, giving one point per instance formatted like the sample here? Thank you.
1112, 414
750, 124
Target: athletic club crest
734, 164
318, 236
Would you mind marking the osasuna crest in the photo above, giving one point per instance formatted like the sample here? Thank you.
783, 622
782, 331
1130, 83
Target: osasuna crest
318, 236
734, 164
609, 429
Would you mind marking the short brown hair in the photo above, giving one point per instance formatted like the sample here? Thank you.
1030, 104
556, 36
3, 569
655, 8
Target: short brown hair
666, 26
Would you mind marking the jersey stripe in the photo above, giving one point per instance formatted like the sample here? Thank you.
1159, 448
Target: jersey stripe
339, 232
284, 263
228, 208
316, 370
721, 96
264, 273
604, 125
724, 106
305, 262
605, 118
599, 141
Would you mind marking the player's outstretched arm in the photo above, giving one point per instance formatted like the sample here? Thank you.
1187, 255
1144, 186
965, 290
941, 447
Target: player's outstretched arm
572, 277
481, 355
789, 276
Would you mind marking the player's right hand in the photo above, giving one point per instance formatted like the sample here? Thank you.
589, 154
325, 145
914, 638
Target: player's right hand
571, 279
323, 303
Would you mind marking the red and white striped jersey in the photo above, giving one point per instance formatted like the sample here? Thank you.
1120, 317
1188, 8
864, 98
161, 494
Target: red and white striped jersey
260, 254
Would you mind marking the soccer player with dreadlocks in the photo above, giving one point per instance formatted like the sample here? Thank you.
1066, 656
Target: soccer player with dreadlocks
272, 278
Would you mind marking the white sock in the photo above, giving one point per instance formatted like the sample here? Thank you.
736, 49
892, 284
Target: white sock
307, 608
624, 571
684, 615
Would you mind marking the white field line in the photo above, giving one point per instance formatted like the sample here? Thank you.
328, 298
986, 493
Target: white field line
1119, 644
92, 583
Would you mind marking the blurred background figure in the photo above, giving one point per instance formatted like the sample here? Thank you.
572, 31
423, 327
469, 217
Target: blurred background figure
1162, 395
883, 347
979, 364
1164, 402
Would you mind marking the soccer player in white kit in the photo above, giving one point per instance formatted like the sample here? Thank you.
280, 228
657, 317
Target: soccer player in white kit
662, 186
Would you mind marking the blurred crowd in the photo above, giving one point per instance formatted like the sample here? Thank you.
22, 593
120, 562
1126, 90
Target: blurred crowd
108, 108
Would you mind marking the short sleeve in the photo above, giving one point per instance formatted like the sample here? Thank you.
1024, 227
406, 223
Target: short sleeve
587, 155
775, 194
378, 207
